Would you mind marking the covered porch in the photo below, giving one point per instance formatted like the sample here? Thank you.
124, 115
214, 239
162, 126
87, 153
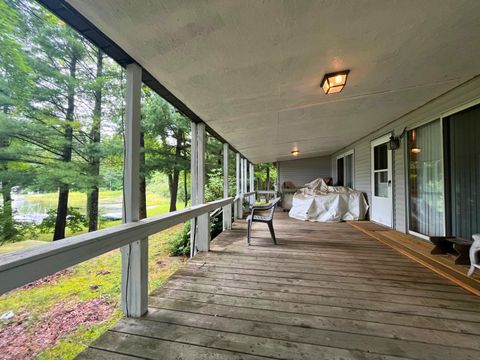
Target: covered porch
326, 291
251, 75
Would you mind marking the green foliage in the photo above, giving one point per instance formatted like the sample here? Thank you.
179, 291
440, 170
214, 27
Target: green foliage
214, 188
265, 176
179, 243
76, 221
216, 226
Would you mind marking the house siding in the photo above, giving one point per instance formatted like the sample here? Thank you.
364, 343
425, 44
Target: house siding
302, 171
464, 95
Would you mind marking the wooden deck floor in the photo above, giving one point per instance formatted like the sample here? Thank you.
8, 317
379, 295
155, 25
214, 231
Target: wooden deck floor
326, 291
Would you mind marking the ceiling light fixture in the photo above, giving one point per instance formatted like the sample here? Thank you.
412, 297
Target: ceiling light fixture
334, 82
416, 150
295, 152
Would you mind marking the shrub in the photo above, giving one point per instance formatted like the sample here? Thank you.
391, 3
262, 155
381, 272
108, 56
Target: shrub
75, 221
179, 244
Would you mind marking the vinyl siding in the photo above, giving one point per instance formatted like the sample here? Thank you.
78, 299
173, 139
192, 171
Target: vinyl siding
462, 96
302, 171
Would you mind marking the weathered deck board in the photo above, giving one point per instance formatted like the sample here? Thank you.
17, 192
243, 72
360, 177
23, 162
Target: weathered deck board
326, 291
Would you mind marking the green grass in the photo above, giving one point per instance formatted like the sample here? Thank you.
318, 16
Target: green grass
156, 205
86, 281
20, 245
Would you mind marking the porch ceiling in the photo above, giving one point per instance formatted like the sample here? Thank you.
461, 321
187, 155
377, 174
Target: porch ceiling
251, 69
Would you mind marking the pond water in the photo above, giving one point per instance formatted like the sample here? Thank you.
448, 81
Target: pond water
29, 210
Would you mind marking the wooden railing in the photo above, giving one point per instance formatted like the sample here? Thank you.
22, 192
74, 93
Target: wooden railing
22, 267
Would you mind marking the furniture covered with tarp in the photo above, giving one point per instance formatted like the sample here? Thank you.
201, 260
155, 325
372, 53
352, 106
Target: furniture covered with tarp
319, 202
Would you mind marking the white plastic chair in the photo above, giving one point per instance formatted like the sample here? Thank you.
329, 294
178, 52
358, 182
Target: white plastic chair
474, 254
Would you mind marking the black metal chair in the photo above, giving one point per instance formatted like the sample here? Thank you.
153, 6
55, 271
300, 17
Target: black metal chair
262, 213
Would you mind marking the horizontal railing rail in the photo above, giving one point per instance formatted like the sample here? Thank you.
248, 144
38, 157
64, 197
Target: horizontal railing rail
22, 267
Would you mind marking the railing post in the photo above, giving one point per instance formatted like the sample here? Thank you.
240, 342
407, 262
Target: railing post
238, 190
134, 255
203, 229
227, 210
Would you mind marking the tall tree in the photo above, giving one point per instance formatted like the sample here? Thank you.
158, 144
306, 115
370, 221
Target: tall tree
15, 84
94, 154
166, 141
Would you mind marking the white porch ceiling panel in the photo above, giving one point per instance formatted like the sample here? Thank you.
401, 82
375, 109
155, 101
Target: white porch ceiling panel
252, 69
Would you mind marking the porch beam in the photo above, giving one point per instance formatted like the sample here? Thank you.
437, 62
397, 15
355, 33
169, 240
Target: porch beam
227, 210
134, 255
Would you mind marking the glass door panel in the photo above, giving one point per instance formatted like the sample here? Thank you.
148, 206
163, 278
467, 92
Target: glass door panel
426, 180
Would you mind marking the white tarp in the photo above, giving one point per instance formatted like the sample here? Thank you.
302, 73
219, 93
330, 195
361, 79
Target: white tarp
319, 202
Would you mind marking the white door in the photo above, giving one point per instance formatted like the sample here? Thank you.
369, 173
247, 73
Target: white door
382, 185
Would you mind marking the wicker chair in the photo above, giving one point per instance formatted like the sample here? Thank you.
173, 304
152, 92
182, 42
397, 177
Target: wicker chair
264, 214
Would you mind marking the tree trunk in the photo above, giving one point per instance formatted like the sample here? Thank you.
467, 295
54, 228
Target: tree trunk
185, 187
143, 182
62, 206
174, 176
268, 182
173, 188
94, 159
268, 178
8, 229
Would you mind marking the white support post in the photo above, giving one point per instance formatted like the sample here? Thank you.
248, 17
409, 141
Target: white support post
203, 230
236, 207
241, 176
227, 210
194, 185
252, 185
134, 255
244, 177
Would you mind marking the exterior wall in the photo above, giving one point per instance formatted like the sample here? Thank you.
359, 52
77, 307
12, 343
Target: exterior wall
302, 171
462, 96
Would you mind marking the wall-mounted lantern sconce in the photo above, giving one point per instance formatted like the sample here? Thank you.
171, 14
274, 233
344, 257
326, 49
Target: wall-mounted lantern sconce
334, 82
394, 142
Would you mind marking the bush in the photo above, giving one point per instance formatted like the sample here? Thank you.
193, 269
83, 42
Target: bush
179, 244
216, 226
12, 231
75, 221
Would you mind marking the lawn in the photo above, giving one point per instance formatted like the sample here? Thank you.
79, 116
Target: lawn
57, 317
156, 205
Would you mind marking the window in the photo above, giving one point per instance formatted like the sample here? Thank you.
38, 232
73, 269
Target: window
380, 164
345, 169
426, 180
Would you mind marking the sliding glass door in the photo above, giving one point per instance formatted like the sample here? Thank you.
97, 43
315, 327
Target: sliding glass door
463, 139
426, 180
